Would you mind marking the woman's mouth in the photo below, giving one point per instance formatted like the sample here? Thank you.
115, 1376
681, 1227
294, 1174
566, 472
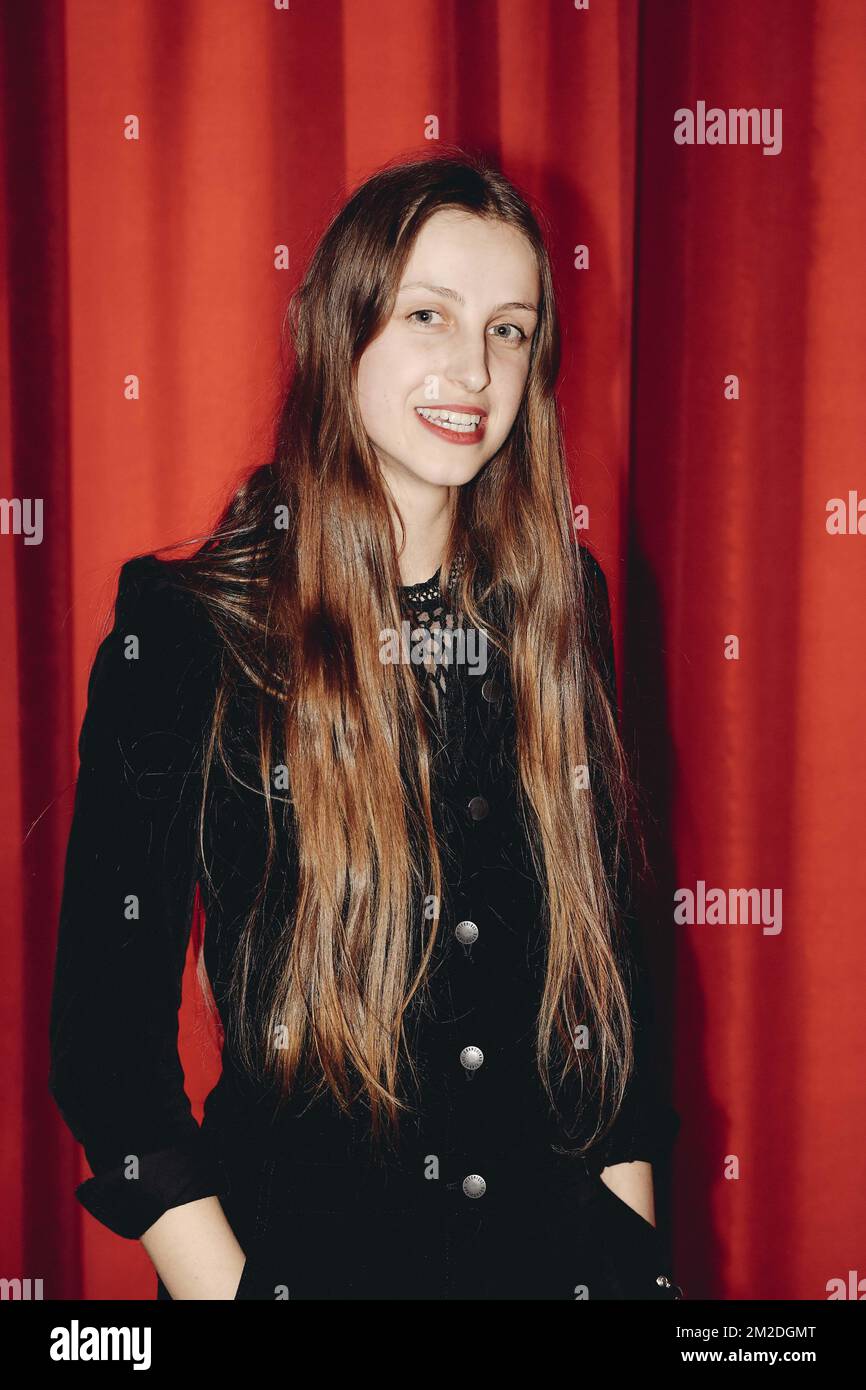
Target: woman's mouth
457, 426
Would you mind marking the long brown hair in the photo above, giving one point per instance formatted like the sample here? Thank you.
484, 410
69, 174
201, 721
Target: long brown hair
300, 575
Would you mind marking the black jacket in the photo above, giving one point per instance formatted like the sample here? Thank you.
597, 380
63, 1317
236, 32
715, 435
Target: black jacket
131, 872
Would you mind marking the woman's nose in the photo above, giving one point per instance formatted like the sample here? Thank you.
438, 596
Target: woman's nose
467, 364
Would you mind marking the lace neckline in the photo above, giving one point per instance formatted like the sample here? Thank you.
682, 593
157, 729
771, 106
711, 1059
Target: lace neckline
423, 592
427, 590
429, 613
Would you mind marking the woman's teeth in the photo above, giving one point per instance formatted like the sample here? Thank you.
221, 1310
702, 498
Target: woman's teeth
452, 420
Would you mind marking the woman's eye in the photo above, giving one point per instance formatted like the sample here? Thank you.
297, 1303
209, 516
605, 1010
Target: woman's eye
515, 337
521, 338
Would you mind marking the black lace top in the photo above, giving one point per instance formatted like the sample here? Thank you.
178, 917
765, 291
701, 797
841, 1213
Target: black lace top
430, 614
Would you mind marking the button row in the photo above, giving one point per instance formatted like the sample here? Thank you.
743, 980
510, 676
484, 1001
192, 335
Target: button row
471, 1058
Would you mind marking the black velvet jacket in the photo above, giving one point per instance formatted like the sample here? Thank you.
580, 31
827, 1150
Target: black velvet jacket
131, 872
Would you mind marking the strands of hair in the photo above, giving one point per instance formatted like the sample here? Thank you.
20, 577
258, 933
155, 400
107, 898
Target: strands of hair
299, 607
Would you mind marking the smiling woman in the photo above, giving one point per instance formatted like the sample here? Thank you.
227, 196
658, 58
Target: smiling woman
437, 1076
452, 359
457, 426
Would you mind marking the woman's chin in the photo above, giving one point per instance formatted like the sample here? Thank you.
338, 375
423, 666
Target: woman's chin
449, 472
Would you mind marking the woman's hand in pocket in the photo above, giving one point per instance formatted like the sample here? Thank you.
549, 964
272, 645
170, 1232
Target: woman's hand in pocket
633, 1184
195, 1251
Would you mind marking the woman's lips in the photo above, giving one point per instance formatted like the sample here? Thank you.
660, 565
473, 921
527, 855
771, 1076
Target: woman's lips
453, 436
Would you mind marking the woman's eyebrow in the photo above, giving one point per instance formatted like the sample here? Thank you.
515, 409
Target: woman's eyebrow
453, 294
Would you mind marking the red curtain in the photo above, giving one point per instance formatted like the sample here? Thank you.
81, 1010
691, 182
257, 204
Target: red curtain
156, 257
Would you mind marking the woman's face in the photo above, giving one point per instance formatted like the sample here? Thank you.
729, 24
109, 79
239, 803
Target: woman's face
457, 344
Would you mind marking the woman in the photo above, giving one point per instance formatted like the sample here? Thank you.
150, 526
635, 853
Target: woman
411, 854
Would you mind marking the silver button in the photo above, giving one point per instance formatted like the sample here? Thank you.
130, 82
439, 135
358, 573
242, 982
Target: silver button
491, 691
665, 1282
466, 932
474, 1185
478, 808
471, 1058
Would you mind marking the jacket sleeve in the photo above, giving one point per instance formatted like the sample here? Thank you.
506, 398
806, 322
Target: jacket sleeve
126, 907
646, 1126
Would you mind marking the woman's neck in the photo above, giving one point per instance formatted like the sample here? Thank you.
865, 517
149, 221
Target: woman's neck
420, 565
426, 517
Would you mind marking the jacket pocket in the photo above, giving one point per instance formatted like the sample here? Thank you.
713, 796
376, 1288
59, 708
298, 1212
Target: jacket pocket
609, 1193
258, 1281
633, 1251
242, 1291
